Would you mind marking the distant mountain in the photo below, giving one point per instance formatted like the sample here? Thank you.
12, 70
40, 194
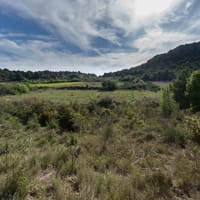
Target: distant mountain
163, 67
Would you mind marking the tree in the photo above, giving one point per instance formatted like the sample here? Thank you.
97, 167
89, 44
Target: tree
193, 90
179, 88
109, 85
167, 104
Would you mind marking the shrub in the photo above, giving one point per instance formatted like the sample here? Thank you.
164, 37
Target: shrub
174, 135
66, 119
193, 128
13, 89
36, 110
106, 102
109, 85
193, 90
179, 88
22, 88
160, 182
167, 104
138, 84
15, 186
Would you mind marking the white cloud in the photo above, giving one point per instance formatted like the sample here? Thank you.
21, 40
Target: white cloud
76, 21
158, 41
80, 21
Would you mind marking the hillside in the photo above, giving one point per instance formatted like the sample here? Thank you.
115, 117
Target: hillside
165, 66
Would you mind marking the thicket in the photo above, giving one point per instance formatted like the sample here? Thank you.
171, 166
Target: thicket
138, 84
13, 88
104, 149
186, 89
109, 85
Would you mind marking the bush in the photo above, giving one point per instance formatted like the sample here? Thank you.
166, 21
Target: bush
13, 89
36, 110
161, 183
109, 85
179, 88
22, 88
141, 85
15, 186
167, 104
193, 90
106, 102
174, 135
66, 119
193, 128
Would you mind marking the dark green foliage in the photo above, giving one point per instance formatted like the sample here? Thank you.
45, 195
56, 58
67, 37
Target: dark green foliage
44, 76
193, 90
109, 85
179, 88
167, 104
66, 119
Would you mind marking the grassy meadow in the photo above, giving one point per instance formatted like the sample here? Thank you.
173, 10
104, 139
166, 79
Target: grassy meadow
67, 85
64, 144
81, 96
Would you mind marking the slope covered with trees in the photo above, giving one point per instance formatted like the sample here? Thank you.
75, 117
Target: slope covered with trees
164, 67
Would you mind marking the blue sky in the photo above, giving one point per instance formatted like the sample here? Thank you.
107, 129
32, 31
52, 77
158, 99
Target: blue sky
93, 36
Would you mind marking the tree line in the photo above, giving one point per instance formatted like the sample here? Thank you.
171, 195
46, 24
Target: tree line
45, 76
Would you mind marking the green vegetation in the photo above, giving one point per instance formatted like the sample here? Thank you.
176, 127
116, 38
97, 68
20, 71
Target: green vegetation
109, 85
44, 76
82, 96
179, 88
139, 84
14, 88
76, 136
90, 144
186, 90
168, 105
192, 90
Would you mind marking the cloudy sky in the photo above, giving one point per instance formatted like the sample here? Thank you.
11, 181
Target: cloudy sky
93, 36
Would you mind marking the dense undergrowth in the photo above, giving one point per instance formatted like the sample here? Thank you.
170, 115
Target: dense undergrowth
101, 150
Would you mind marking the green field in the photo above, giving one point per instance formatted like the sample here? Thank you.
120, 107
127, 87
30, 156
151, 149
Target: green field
66, 84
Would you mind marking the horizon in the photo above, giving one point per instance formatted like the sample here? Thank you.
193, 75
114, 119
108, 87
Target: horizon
93, 37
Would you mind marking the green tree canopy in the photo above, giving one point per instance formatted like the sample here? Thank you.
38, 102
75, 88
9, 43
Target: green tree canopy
179, 88
193, 90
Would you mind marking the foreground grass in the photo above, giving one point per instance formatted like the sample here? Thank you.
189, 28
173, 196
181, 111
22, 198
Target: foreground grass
90, 145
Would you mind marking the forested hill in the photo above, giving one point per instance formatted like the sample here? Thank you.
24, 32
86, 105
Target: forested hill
164, 67
46, 76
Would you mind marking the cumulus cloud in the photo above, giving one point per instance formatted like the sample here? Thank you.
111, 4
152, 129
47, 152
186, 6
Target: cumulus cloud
132, 31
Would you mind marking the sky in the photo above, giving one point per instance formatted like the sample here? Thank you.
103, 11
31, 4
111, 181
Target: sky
92, 36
